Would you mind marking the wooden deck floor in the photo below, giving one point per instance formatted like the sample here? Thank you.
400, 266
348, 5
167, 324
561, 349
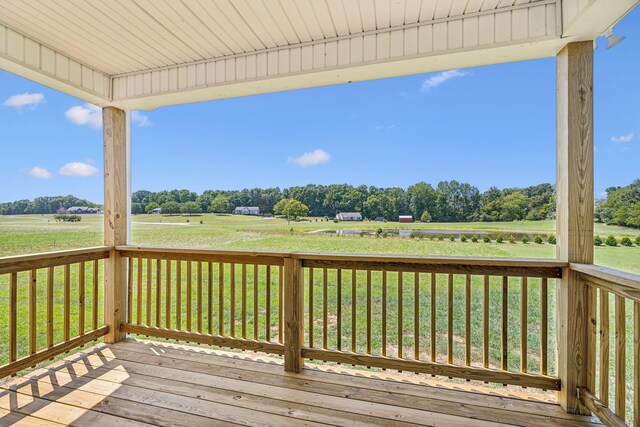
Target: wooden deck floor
140, 382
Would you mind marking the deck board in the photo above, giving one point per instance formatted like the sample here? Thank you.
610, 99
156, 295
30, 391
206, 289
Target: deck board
138, 382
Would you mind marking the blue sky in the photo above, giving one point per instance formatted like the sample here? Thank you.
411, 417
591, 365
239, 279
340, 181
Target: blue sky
488, 126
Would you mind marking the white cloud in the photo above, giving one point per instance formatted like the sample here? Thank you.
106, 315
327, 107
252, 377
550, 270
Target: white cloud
438, 79
312, 158
24, 100
88, 115
39, 173
142, 120
384, 127
622, 138
78, 169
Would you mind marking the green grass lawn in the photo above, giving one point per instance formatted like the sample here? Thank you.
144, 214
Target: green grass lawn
40, 233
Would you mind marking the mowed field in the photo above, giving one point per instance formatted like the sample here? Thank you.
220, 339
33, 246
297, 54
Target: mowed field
40, 233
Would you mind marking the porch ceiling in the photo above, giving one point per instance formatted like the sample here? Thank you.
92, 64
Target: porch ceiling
141, 54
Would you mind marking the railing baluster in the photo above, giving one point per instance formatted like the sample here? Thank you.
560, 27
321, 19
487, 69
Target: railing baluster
210, 298
221, 268
95, 294
280, 304
485, 322
504, 350
621, 357
354, 298
158, 290
604, 346
189, 294
450, 320
13, 317
339, 309
81, 282
232, 279
368, 343
149, 278
311, 307
129, 301
325, 309
434, 349
467, 324
255, 301
544, 326
268, 303
636, 363
199, 297
66, 300
416, 316
400, 320
592, 302
167, 321
178, 294
139, 307
523, 324
384, 313
243, 301
50, 301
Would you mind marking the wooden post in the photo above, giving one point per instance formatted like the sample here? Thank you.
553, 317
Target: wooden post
574, 157
116, 196
293, 315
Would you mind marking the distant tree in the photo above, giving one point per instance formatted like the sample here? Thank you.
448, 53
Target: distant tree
426, 216
220, 204
190, 208
137, 208
296, 208
170, 208
280, 207
151, 206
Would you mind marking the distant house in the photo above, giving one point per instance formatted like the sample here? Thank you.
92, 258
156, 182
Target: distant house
405, 218
156, 211
349, 216
247, 210
83, 210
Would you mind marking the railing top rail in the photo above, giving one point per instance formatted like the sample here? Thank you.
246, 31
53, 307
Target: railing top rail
619, 282
14, 264
217, 255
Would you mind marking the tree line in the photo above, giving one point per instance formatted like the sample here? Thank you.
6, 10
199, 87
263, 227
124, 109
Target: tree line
621, 206
448, 201
43, 205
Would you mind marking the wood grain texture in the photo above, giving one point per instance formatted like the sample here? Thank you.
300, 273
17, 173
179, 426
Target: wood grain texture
33, 311
293, 315
204, 255
50, 303
544, 325
81, 286
574, 223
440, 369
523, 324
636, 363
15, 264
621, 283
504, 333
599, 409
485, 322
13, 317
604, 346
116, 196
66, 302
621, 357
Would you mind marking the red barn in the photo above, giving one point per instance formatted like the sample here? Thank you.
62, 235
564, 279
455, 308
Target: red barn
406, 218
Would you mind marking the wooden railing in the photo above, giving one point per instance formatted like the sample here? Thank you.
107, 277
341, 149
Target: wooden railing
53, 305
614, 313
223, 298
454, 317
477, 319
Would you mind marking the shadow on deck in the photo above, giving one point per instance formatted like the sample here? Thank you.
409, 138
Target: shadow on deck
141, 382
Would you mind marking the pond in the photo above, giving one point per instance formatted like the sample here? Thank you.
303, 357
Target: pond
426, 233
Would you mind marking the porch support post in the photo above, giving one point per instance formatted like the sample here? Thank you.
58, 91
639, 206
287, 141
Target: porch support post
116, 213
293, 315
574, 188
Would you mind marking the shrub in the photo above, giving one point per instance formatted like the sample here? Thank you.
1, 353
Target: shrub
512, 239
551, 239
441, 237
486, 239
597, 240
500, 239
611, 241
463, 238
452, 238
524, 239
474, 239
538, 240
626, 241
426, 216
638, 241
